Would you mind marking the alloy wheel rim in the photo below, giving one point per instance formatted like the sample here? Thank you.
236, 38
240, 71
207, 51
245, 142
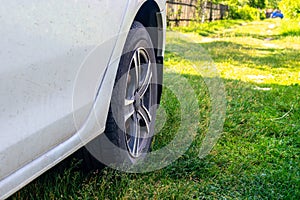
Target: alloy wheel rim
137, 102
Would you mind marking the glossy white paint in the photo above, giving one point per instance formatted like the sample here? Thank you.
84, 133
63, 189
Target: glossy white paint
54, 55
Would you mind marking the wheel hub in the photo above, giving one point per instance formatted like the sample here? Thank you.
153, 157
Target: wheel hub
137, 102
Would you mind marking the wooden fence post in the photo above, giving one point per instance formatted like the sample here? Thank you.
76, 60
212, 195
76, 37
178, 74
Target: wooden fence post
181, 12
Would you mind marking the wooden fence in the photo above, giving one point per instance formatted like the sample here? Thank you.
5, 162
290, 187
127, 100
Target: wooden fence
181, 12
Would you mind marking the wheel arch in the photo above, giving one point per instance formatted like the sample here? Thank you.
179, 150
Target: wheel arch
150, 16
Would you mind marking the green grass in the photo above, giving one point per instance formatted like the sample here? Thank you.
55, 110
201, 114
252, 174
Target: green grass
208, 29
290, 28
257, 156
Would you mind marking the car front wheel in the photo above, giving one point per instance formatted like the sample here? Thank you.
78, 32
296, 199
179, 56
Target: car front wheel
131, 118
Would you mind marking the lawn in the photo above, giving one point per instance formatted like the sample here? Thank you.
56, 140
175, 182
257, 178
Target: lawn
257, 154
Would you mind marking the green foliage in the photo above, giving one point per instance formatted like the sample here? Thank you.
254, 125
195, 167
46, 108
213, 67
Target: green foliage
290, 8
235, 2
262, 15
272, 3
253, 3
257, 3
290, 28
233, 12
246, 13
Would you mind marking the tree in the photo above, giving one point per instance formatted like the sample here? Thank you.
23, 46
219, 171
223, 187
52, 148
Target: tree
272, 3
257, 3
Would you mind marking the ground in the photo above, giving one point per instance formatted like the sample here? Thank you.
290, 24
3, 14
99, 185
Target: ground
257, 154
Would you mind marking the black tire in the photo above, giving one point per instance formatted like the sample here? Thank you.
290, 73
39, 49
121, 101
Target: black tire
131, 118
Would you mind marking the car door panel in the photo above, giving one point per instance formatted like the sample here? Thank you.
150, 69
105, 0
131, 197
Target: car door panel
47, 51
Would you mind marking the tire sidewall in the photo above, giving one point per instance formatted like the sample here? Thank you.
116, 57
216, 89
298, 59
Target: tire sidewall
138, 37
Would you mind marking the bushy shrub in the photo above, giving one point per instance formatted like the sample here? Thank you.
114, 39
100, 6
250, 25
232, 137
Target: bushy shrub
233, 12
246, 12
290, 8
262, 14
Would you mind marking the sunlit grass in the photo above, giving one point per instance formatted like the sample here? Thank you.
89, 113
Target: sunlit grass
255, 52
257, 156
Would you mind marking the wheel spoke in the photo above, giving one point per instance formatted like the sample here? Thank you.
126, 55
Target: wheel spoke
146, 117
131, 84
128, 109
136, 137
137, 64
144, 85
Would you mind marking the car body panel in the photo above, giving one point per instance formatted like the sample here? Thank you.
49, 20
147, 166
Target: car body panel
51, 103
37, 81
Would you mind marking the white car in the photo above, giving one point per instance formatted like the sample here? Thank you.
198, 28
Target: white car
72, 73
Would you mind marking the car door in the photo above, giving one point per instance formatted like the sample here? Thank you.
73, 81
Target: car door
50, 50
